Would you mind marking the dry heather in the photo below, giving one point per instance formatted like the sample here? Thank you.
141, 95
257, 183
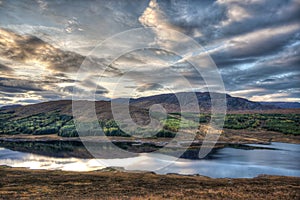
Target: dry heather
17, 183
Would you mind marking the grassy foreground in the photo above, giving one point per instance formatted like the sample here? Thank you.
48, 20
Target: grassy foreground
20, 183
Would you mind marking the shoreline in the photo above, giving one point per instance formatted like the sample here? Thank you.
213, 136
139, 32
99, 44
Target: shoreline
16, 183
62, 147
113, 169
228, 137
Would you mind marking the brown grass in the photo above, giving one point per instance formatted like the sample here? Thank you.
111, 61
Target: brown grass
18, 183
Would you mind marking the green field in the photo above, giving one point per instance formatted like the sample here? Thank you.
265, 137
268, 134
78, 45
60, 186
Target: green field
63, 125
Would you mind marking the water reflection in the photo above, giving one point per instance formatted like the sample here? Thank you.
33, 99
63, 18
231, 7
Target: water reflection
33, 161
226, 162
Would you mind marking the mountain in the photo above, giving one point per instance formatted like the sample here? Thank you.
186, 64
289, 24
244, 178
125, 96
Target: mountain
10, 106
138, 106
170, 102
286, 105
56, 117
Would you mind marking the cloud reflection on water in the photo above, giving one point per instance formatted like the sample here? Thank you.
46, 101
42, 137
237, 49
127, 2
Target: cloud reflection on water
228, 162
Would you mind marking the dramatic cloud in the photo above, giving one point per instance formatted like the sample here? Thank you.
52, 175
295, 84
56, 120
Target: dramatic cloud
15, 85
4, 68
30, 49
255, 44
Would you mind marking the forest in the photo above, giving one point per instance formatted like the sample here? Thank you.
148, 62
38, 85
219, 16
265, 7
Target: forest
63, 125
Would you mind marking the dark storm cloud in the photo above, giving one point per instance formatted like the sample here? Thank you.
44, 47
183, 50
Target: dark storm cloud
29, 91
5, 99
92, 85
149, 86
57, 79
48, 95
23, 48
250, 41
281, 66
14, 85
2, 93
27, 48
222, 19
29, 101
254, 43
259, 14
4, 68
69, 90
101, 90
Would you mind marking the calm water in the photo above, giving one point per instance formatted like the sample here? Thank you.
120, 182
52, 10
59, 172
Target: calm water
276, 159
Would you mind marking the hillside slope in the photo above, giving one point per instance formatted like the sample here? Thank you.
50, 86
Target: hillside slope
139, 105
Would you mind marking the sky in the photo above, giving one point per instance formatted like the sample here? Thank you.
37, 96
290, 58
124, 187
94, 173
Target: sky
255, 45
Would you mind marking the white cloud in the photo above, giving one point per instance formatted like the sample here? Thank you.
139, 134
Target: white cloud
274, 97
42, 4
256, 41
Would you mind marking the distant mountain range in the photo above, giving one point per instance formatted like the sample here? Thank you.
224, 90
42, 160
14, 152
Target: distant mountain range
10, 106
282, 104
170, 102
141, 105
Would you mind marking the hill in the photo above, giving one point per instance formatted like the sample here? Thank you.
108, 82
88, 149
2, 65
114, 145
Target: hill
56, 117
286, 105
170, 102
141, 105
138, 105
